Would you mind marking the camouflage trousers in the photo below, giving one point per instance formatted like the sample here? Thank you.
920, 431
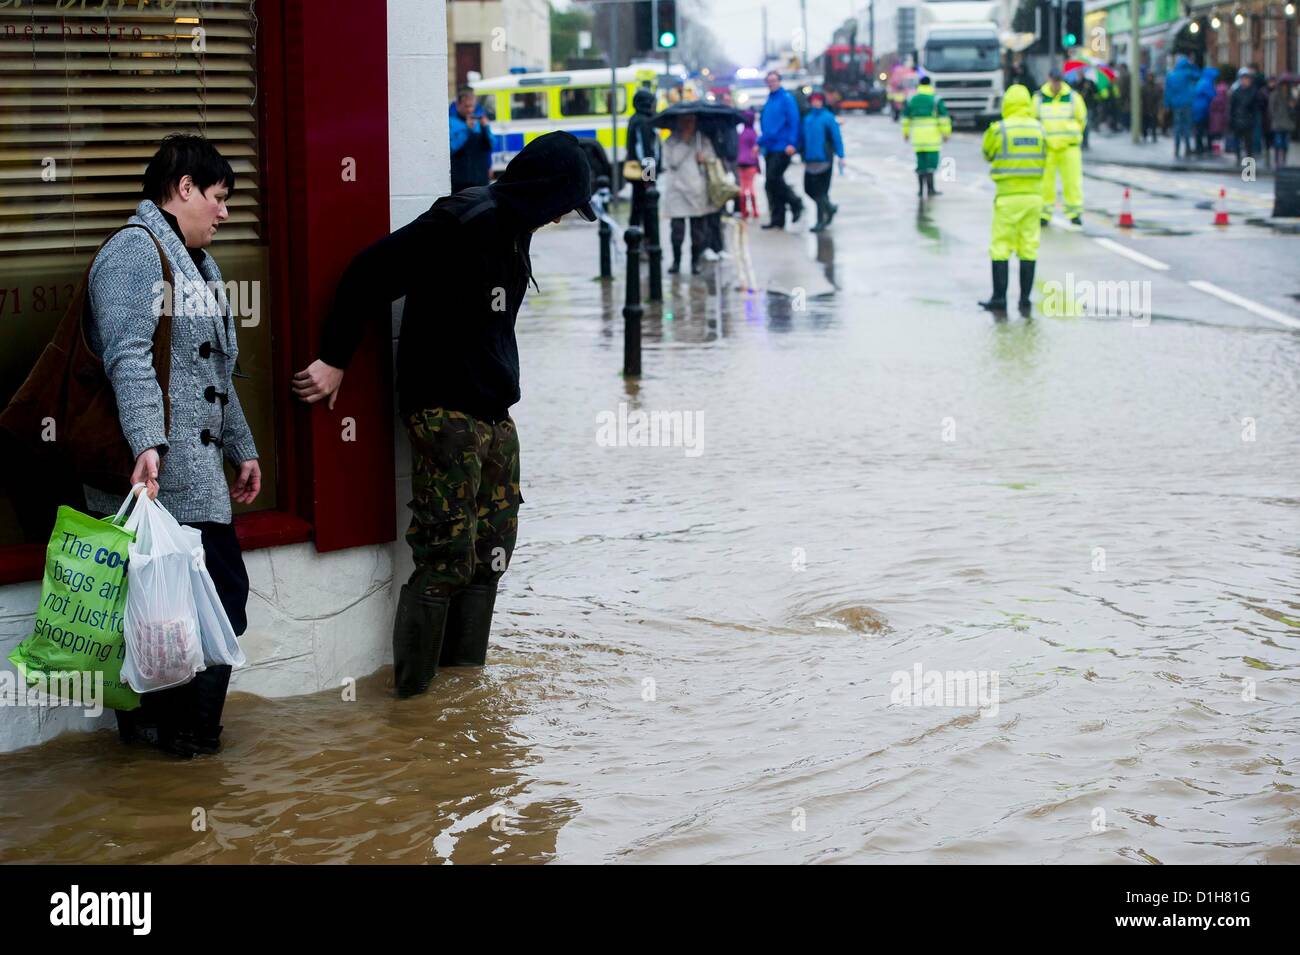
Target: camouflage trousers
465, 499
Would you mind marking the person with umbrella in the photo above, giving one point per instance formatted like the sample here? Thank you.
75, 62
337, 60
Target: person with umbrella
686, 193
695, 126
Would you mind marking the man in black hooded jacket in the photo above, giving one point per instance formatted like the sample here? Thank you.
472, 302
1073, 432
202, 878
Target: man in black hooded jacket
643, 145
464, 268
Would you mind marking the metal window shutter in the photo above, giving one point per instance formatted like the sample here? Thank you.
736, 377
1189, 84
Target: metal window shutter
95, 90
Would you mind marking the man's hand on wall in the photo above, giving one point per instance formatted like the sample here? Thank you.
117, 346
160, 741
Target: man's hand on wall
318, 380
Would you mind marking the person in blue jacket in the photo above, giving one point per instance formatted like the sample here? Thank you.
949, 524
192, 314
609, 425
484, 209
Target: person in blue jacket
1180, 95
1205, 93
779, 142
819, 144
471, 142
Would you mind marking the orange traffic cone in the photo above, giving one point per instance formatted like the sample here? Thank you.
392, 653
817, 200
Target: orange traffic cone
1126, 212
1221, 208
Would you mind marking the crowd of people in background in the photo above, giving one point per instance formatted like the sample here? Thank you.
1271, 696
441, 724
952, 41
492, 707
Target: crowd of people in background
756, 144
1207, 111
787, 128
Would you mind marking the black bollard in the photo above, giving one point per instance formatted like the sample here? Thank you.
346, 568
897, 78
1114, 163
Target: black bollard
653, 249
606, 235
632, 306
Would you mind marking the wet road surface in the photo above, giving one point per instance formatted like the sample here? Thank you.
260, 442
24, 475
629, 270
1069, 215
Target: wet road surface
699, 648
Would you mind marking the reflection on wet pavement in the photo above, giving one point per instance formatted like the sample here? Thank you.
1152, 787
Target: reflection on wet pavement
694, 653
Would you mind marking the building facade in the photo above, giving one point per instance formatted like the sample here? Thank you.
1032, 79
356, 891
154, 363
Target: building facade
328, 159
493, 37
1259, 34
1256, 33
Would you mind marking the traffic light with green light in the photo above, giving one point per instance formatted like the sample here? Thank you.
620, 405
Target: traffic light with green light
1071, 24
667, 38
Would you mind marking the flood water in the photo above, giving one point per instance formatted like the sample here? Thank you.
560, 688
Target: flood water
694, 652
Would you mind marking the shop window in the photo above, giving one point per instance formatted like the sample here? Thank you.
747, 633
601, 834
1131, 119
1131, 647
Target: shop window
87, 91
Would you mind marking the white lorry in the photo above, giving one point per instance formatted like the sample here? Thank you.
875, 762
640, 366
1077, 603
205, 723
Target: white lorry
959, 45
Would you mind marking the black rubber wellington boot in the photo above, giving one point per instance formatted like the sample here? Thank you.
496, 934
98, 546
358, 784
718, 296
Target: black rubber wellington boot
1026, 285
677, 259
209, 694
998, 303
468, 626
929, 184
920, 185
417, 640
158, 723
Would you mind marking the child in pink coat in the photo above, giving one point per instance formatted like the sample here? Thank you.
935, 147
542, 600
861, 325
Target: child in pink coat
747, 166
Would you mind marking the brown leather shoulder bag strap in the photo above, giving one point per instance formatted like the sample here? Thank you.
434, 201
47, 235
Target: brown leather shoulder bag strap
162, 336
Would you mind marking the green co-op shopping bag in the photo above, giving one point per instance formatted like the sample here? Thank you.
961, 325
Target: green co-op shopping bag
79, 623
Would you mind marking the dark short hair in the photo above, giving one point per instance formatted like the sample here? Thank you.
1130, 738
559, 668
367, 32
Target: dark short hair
180, 155
464, 91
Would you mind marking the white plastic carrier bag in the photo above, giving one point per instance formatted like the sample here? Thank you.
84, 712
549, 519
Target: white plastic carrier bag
216, 633
163, 647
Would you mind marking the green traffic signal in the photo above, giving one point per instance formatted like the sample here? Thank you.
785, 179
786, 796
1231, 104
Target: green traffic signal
1071, 40
667, 39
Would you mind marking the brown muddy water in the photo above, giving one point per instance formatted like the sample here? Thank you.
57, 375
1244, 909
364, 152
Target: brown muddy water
697, 655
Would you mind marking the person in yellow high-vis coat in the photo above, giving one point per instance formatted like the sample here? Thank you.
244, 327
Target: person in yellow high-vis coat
927, 124
1016, 148
1063, 114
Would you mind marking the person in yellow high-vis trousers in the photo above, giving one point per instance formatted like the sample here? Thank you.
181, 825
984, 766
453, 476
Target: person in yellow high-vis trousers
1016, 148
1063, 114
927, 124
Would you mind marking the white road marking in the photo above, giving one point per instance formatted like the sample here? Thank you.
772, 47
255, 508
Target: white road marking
1234, 299
1132, 254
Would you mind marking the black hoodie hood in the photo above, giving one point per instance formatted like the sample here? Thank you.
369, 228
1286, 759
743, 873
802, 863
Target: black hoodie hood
550, 177
643, 101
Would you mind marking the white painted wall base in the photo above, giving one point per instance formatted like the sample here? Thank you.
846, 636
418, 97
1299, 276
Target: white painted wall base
314, 620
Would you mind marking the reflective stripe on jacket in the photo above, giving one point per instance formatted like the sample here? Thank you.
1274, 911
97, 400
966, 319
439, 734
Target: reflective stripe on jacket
926, 121
1063, 116
1017, 150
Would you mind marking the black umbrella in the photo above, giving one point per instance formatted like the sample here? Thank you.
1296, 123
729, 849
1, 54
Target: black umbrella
705, 114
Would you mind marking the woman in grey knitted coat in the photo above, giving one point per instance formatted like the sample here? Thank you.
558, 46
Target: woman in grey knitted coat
185, 189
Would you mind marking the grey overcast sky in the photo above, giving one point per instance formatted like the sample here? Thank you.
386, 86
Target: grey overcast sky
738, 24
